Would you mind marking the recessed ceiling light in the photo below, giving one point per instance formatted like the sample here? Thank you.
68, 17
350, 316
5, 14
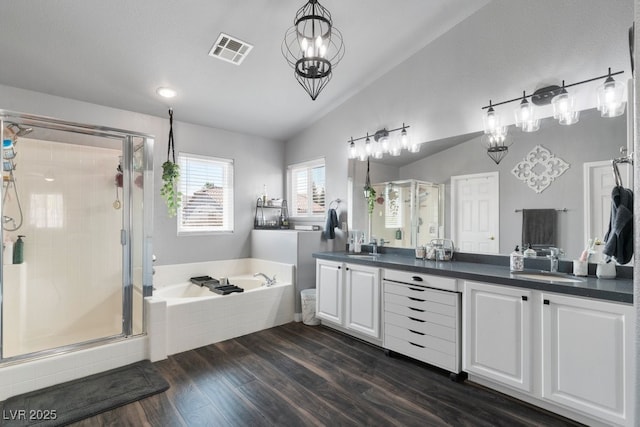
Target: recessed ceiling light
166, 92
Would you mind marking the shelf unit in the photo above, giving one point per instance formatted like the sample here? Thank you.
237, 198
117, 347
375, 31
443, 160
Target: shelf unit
278, 219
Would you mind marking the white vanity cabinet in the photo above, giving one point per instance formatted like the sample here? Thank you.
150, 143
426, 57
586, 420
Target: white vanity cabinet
348, 296
587, 356
497, 333
568, 354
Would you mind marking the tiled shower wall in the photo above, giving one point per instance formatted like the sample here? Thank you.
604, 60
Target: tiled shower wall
73, 286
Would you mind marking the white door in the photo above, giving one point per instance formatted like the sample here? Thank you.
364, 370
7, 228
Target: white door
475, 203
598, 183
329, 291
588, 356
497, 334
363, 299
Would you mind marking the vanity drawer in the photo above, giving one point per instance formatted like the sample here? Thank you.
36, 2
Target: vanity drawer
419, 352
419, 326
423, 339
420, 315
408, 277
416, 294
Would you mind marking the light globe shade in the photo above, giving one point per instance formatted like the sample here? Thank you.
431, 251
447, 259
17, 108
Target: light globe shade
610, 98
564, 108
491, 121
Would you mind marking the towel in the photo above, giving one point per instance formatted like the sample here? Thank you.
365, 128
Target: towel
619, 237
332, 223
540, 227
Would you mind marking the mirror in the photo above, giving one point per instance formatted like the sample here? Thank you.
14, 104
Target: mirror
592, 139
407, 213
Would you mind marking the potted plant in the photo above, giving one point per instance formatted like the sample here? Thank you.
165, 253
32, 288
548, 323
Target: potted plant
170, 176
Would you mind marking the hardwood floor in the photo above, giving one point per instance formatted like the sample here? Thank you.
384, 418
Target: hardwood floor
297, 375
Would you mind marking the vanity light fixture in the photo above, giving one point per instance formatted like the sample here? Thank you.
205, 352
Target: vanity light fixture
313, 47
526, 116
382, 144
611, 97
610, 103
563, 107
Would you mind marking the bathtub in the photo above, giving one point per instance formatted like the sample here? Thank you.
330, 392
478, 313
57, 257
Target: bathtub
184, 316
183, 292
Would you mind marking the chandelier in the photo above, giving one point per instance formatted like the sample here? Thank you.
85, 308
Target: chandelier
313, 47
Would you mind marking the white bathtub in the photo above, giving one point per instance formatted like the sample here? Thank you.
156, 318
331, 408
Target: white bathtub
184, 316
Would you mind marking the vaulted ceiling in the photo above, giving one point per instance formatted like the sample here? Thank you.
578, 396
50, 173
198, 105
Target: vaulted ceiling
118, 52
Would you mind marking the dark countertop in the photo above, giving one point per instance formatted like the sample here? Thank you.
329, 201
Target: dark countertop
619, 290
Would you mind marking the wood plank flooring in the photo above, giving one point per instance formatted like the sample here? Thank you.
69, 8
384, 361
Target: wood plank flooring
297, 375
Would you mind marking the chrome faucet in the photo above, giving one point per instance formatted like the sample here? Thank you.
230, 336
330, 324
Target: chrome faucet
553, 257
374, 246
268, 281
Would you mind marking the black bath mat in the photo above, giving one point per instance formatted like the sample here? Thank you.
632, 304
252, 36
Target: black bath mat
76, 400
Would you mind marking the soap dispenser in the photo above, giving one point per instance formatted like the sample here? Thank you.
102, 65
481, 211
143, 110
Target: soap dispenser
516, 260
529, 253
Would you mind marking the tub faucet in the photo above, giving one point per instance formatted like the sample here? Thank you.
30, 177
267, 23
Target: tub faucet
268, 281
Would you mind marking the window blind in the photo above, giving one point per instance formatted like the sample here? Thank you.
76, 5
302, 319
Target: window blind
206, 184
308, 188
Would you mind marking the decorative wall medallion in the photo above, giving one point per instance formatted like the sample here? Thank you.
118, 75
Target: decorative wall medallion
539, 168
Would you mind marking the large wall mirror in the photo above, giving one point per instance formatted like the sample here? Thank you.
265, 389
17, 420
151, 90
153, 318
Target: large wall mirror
592, 141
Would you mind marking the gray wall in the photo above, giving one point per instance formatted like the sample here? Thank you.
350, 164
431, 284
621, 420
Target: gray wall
440, 90
258, 161
591, 139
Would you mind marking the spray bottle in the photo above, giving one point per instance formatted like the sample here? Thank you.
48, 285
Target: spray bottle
18, 250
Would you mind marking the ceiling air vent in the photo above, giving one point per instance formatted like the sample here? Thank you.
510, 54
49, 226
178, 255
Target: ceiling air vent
230, 49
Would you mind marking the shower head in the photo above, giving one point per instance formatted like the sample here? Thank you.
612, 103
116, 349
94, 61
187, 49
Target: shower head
24, 131
18, 130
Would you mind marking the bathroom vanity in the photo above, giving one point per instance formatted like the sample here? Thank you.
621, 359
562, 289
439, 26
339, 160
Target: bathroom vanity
562, 343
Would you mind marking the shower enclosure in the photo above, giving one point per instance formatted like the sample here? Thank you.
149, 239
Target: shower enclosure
407, 213
81, 197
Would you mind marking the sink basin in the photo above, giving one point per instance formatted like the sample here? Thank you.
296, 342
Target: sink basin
369, 257
547, 276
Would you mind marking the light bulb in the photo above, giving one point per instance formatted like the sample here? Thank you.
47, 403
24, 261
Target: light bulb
367, 146
353, 153
323, 51
304, 44
310, 51
318, 41
404, 139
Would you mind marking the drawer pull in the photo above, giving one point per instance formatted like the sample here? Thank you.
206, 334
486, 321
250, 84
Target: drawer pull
524, 298
416, 332
416, 299
416, 289
417, 345
417, 320
416, 278
546, 302
416, 309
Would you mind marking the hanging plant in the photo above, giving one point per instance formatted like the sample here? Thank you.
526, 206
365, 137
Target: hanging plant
369, 192
170, 176
371, 200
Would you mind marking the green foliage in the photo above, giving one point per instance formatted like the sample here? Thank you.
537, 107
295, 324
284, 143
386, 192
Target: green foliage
169, 192
371, 200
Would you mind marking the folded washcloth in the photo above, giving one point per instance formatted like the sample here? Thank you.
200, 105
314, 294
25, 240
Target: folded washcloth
619, 237
332, 223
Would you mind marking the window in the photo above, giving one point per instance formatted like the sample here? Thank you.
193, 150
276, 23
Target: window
307, 188
206, 184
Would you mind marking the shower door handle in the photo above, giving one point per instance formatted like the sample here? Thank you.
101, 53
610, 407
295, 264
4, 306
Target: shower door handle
123, 237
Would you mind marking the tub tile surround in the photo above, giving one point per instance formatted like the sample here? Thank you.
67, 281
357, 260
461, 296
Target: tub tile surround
176, 325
